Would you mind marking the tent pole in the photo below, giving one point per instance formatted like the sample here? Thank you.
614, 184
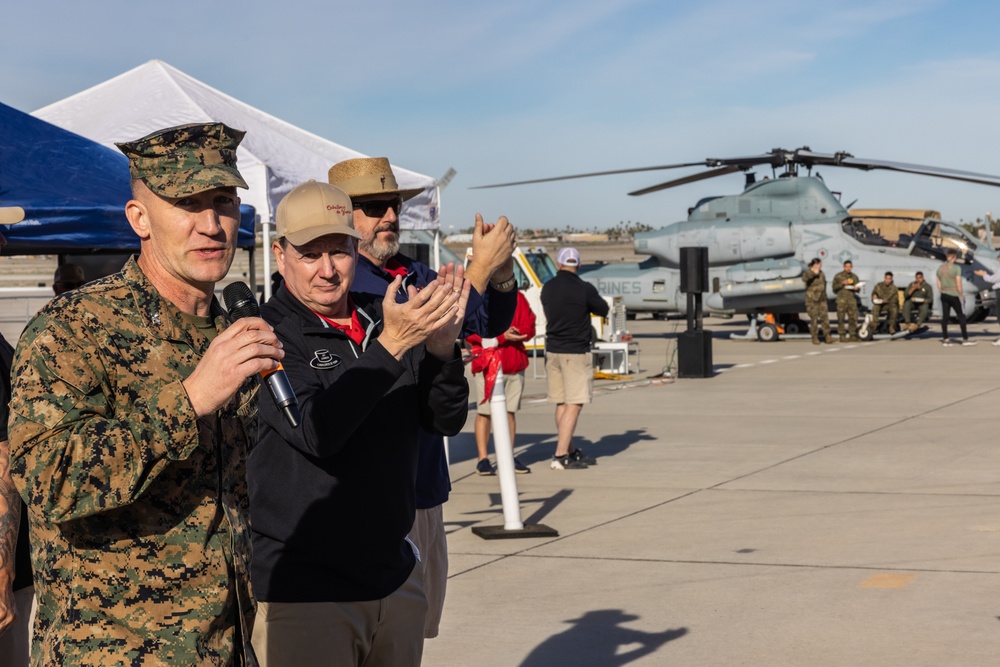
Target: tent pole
437, 249
266, 234
437, 235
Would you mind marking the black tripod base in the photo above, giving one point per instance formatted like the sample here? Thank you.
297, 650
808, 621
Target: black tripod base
501, 533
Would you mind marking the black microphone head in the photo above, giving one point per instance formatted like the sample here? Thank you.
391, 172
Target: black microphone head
240, 301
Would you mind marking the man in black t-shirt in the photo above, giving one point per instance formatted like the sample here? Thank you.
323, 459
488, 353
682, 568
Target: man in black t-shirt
568, 302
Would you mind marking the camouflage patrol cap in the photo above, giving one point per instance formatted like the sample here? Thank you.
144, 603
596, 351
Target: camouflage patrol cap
185, 160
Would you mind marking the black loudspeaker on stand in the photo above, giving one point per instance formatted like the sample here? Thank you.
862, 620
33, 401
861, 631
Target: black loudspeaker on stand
694, 271
694, 346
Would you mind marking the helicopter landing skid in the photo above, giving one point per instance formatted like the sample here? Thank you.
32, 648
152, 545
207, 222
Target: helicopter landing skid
904, 333
865, 331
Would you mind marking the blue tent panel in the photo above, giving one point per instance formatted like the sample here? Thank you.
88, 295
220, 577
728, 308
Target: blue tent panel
73, 191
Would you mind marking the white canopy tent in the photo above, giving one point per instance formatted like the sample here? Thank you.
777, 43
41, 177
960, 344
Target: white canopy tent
274, 157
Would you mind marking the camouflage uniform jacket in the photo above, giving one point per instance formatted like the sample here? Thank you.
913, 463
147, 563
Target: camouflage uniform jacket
815, 286
887, 293
840, 286
138, 510
924, 291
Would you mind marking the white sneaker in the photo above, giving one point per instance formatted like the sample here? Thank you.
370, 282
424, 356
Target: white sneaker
996, 343
947, 343
969, 343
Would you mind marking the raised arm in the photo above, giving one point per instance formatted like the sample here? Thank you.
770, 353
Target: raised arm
89, 433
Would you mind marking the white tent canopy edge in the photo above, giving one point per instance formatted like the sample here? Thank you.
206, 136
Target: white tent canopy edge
274, 157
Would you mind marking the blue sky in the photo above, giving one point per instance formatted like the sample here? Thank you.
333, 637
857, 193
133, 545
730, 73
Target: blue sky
525, 89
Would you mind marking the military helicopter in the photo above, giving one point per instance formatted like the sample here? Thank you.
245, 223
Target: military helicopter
760, 240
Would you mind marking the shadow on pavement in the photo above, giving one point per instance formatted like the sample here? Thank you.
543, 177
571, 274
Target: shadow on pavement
598, 639
543, 445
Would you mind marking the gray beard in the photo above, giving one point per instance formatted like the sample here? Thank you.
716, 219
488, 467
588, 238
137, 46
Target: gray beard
380, 250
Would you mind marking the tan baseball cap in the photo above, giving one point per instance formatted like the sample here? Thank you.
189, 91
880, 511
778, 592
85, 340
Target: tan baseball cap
11, 214
312, 210
363, 176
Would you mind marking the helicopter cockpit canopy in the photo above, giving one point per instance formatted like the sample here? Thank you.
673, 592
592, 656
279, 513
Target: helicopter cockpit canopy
863, 231
891, 231
935, 238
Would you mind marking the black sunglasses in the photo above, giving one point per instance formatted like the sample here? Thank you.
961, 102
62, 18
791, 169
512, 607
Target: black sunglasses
376, 208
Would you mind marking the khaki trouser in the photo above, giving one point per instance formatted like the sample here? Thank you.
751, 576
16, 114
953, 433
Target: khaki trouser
377, 633
429, 536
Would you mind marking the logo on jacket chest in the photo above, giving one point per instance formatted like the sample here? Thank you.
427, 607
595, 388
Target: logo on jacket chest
324, 360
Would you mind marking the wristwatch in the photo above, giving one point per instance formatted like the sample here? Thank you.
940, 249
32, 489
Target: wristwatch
506, 285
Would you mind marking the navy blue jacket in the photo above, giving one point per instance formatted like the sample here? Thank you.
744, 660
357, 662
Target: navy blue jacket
331, 502
488, 316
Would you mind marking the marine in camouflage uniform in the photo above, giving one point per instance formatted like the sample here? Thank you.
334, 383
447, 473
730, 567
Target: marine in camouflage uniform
816, 304
847, 302
135, 486
886, 292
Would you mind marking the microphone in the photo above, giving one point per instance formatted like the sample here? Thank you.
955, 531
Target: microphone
241, 303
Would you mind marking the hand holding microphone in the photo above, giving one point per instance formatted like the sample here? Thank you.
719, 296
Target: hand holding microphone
242, 306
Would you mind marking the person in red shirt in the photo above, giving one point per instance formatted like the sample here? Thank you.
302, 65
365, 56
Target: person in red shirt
509, 348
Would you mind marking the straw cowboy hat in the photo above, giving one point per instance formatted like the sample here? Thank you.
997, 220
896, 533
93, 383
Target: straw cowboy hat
365, 176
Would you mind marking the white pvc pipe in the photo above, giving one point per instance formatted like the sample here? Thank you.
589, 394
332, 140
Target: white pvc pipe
437, 249
505, 456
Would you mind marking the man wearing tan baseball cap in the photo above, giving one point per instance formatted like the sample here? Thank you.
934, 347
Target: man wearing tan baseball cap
377, 200
332, 501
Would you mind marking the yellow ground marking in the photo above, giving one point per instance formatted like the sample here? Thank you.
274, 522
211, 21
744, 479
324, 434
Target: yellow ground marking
887, 580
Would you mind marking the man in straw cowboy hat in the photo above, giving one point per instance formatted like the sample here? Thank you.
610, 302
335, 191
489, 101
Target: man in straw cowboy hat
377, 199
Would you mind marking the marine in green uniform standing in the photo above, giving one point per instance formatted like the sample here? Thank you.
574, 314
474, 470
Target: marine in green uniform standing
132, 412
816, 305
845, 286
885, 299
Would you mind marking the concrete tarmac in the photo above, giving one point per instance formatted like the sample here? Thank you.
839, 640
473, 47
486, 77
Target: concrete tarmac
807, 506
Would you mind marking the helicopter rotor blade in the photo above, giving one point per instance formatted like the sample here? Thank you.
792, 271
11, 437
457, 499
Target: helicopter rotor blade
596, 173
721, 171
954, 177
939, 172
775, 158
847, 160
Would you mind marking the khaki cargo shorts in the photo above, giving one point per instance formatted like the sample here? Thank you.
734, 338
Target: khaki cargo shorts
513, 388
570, 377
